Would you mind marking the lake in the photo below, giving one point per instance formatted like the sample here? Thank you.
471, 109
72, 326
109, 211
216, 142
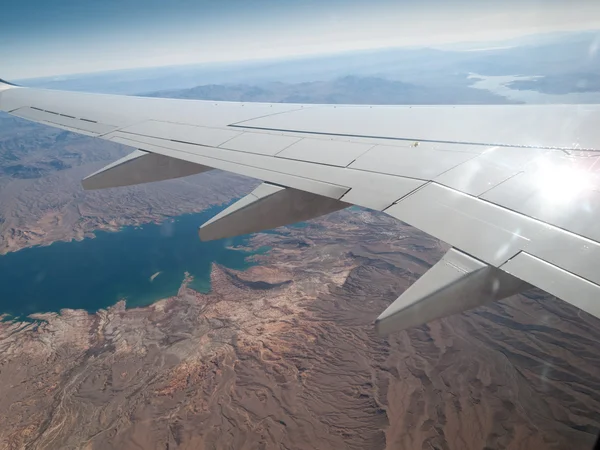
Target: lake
141, 264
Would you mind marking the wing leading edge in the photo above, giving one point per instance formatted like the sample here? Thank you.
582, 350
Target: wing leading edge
513, 189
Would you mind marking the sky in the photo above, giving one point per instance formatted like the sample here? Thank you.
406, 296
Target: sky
41, 38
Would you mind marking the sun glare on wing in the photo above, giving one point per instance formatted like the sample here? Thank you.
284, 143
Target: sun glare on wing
561, 183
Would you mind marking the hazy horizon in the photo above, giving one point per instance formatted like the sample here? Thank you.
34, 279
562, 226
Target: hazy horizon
39, 39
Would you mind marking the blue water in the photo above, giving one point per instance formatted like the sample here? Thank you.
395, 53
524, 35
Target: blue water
97, 272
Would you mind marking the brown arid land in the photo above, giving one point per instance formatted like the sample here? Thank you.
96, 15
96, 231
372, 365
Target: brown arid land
284, 356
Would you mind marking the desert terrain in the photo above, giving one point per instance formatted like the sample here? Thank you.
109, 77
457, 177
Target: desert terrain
284, 356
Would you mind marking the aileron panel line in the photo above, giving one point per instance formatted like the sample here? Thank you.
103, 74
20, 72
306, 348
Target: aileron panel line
330, 152
261, 143
64, 121
208, 136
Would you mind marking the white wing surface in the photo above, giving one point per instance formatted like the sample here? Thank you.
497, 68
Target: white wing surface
513, 189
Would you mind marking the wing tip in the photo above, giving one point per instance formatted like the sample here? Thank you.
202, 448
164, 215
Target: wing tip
2, 81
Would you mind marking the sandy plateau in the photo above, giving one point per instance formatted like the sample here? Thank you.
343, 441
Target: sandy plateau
284, 356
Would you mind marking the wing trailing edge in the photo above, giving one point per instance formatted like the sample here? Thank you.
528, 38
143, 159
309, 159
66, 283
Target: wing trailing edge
455, 284
7, 83
141, 167
268, 206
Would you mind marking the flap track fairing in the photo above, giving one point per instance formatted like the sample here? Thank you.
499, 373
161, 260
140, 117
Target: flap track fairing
141, 167
455, 284
268, 206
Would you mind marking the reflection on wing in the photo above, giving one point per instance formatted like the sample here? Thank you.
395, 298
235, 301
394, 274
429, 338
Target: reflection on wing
515, 190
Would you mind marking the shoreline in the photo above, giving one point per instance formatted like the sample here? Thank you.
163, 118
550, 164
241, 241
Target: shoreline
140, 263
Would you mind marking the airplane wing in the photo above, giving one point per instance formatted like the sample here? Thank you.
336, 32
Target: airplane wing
513, 189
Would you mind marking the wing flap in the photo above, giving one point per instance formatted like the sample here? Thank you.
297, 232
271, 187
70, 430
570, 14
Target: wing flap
558, 189
474, 226
494, 234
475, 177
556, 281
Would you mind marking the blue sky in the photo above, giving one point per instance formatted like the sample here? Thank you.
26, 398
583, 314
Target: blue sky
43, 38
